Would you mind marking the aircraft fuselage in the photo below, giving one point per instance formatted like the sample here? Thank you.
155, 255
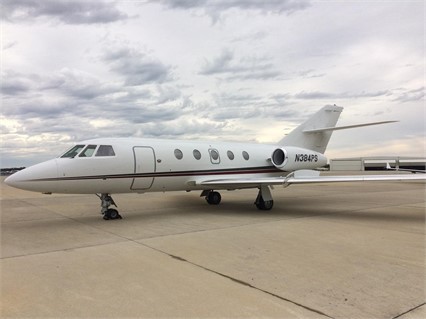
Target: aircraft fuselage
152, 165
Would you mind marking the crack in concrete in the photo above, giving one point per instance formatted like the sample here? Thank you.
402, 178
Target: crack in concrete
412, 309
238, 281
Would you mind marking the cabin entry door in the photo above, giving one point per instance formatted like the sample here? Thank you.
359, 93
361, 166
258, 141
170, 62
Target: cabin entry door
144, 167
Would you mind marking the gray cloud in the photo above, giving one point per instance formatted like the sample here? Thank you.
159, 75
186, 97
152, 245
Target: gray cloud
167, 94
14, 87
29, 107
247, 106
243, 68
411, 95
9, 45
137, 67
69, 12
76, 93
78, 84
149, 113
309, 74
311, 95
67, 82
215, 8
14, 83
183, 127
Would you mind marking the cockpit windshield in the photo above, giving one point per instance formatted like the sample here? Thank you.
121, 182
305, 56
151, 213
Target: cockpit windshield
89, 151
73, 151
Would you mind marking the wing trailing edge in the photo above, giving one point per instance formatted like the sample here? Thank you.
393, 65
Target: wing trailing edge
307, 177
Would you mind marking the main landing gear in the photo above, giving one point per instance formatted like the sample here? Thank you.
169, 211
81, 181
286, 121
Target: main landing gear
263, 201
106, 202
212, 197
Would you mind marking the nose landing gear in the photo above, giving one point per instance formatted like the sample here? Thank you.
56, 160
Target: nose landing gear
106, 202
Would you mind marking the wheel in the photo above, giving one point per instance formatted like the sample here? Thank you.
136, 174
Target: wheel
213, 198
263, 205
112, 214
268, 205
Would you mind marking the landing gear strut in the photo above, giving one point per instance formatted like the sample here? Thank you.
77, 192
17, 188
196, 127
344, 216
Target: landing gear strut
106, 202
264, 199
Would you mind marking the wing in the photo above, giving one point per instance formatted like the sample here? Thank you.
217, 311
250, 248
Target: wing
306, 177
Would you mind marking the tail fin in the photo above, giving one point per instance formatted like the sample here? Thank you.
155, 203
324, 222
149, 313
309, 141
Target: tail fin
305, 136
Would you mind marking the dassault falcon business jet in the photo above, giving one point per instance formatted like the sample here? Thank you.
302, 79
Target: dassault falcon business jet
135, 165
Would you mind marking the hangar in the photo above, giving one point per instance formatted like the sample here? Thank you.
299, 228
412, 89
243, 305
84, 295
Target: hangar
377, 163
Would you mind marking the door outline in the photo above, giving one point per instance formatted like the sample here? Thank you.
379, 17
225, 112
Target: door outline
143, 183
212, 160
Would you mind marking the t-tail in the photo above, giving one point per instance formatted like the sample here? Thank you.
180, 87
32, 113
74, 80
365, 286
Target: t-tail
316, 141
315, 133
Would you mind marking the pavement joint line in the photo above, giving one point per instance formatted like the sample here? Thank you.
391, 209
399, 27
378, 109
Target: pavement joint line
410, 310
124, 238
59, 217
212, 229
59, 250
238, 281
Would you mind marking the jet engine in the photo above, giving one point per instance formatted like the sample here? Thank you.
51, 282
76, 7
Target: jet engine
295, 158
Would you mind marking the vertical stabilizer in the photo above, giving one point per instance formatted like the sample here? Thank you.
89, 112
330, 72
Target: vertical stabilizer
325, 118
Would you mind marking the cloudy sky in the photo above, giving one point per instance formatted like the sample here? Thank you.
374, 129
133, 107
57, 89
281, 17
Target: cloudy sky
238, 70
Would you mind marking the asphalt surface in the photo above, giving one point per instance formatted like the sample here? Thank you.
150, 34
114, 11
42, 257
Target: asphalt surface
350, 250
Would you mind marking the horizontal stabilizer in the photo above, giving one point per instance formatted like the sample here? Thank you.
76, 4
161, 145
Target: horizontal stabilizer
335, 128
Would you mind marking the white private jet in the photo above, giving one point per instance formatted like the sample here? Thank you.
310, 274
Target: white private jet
135, 165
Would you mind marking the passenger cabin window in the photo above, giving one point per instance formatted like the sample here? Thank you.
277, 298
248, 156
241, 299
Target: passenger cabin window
178, 154
230, 155
246, 155
73, 151
105, 150
197, 154
88, 151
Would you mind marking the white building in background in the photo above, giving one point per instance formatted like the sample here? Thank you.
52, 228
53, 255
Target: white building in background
377, 163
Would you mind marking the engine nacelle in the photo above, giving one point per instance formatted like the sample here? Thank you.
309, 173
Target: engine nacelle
294, 158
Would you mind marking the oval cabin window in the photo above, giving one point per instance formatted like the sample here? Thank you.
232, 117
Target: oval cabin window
197, 154
230, 155
214, 154
246, 155
178, 154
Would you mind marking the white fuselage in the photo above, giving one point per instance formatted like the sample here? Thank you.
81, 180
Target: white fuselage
153, 165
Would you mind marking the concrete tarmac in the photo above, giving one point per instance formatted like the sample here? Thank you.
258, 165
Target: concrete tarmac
350, 250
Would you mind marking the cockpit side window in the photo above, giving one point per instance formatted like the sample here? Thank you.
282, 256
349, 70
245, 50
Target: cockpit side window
88, 151
73, 151
105, 150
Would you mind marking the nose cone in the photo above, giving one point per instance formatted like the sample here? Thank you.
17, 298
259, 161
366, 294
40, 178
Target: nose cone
12, 179
35, 178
